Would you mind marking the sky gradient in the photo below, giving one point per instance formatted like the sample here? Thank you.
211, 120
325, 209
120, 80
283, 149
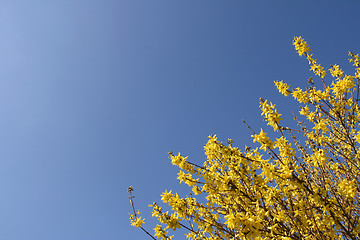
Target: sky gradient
93, 95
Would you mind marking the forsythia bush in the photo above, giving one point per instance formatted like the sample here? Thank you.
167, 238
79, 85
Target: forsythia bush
302, 185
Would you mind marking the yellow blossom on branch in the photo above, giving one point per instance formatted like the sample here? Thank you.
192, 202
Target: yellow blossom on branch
301, 46
282, 87
305, 184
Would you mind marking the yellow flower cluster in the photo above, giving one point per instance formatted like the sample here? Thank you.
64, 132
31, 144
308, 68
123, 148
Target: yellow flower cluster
303, 49
355, 59
300, 95
271, 115
347, 188
342, 86
263, 140
304, 185
336, 71
282, 87
301, 46
136, 220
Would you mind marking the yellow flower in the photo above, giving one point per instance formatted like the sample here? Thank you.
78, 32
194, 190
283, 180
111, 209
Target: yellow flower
263, 140
304, 110
357, 137
336, 71
343, 85
271, 114
282, 87
300, 95
261, 137
301, 46
196, 190
318, 70
321, 125
347, 188
166, 196
138, 222
232, 221
173, 222
160, 232
176, 160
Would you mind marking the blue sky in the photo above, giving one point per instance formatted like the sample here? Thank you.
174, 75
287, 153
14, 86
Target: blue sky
93, 94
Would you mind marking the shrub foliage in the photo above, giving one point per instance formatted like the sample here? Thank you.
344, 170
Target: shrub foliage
302, 185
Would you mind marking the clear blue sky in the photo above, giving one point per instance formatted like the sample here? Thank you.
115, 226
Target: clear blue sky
93, 94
